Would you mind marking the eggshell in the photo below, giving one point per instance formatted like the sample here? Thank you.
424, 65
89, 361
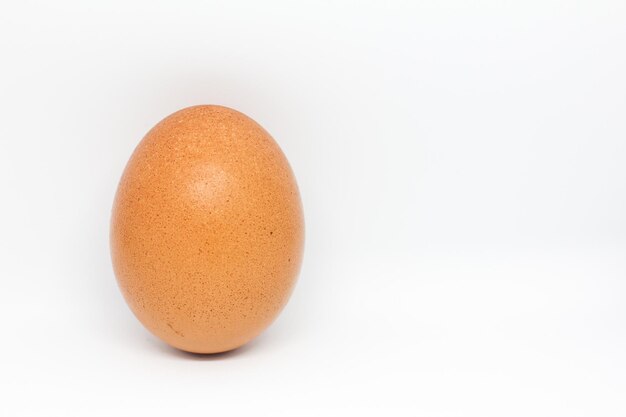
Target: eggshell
207, 230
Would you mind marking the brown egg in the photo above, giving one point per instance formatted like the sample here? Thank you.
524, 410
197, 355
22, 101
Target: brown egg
207, 230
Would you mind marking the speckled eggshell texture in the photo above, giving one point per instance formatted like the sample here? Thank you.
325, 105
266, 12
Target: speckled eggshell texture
207, 230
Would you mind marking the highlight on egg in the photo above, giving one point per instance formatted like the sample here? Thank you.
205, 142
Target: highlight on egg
207, 230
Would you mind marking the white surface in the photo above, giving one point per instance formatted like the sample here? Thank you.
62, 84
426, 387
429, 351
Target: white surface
463, 171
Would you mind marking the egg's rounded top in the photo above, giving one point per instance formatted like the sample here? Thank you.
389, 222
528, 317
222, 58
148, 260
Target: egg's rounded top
207, 230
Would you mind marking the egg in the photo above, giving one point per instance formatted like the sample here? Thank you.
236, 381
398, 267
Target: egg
207, 230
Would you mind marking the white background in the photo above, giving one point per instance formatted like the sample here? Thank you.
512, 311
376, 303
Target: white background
463, 171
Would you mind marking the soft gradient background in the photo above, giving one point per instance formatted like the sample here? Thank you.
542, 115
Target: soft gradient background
463, 171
